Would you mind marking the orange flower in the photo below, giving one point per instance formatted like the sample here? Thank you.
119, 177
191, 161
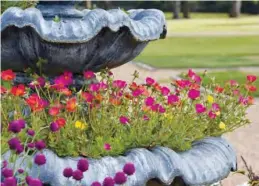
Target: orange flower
65, 91
18, 90
133, 86
128, 96
71, 105
145, 108
157, 87
195, 86
7, 75
53, 111
99, 97
144, 91
250, 100
115, 101
61, 122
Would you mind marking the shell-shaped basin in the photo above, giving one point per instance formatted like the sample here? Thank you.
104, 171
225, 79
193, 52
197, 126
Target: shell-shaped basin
208, 161
85, 40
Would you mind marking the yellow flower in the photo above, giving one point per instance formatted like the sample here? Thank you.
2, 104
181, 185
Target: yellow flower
222, 125
168, 116
218, 113
80, 125
210, 99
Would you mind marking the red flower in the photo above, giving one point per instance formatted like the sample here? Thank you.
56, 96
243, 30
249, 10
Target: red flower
61, 122
200, 108
18, 90
89, 75
157, 87
124, 120
2, 90
219, 89
251, 78
36, 103
53, 111
251, 88
7, 75
193, 94
71, 105
150, 81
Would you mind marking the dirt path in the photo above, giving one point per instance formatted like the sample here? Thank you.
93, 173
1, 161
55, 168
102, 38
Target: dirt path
245, 140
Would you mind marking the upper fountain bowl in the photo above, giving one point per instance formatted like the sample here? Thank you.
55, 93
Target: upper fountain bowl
78, 40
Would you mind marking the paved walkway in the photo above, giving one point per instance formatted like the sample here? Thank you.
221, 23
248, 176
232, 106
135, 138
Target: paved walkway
245, 140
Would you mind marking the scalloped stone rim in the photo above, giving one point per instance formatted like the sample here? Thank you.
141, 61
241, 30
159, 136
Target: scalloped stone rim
144, 25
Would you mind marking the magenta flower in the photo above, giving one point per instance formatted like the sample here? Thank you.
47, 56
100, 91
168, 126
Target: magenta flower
89, 74
155, 107
120, 178
95, 87
124, 120
40, 159
5, 163
34, 182
28, 179
6, 172
165, 91
149, 101
233, 83
212, 115
78, 175
19, 149
83, 165
251, 78
145, 118
107, 146
243, 100
108, 181
40, 82
30, 132
54, 127
119, 84
16, 126
200, 108
40, 145
31, 145
161, 109
103, 85
68, 172
191, 73
137, 92
150, 81
215, 107
96, 183
20, 171
172, 99
13, 143
193, 94
10, 181
129, 169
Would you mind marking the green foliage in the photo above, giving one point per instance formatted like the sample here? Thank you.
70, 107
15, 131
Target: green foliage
22, 4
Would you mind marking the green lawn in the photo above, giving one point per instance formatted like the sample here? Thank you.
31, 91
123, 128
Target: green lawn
199, 52
240, 77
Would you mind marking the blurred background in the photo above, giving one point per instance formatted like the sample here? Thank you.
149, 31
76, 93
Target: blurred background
221, 37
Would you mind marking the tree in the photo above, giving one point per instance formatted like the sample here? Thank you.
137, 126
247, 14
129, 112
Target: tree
88, 4
176, 9
235, 8
186, 9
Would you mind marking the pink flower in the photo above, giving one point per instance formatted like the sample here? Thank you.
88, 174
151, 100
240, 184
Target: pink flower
150, 81
251, 78
196, 78
119, 84
215, 107
161, 109
233, 83
193, 94
89, 74
211, 114
191, 73
200, 108
183, 83
155, 107
107, 146
243, 100
53, 111
124, 120
165, 91
236, 92
172, 99
137, 92
149, 101
95, 87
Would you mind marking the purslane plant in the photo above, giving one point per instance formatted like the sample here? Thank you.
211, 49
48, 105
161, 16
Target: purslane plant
110, 117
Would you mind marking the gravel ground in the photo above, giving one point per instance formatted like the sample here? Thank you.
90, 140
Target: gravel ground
245, 140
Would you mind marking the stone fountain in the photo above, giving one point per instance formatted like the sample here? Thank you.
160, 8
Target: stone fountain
75, 40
